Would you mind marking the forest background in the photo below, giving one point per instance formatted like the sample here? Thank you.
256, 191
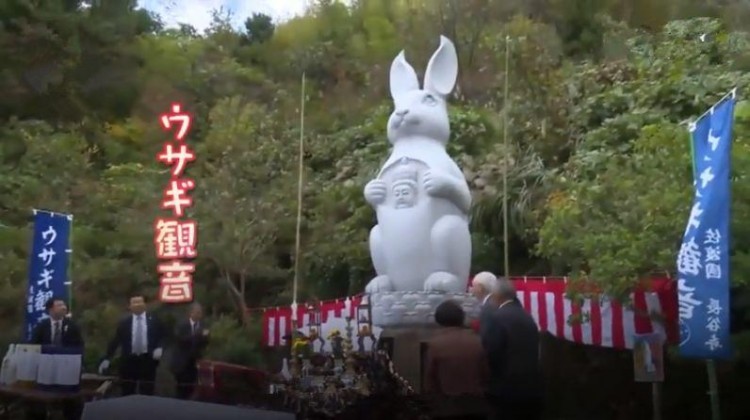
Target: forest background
599, 162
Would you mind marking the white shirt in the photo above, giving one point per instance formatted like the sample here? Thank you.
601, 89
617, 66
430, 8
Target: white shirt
486, 298
504, 303
144, 331
53, 324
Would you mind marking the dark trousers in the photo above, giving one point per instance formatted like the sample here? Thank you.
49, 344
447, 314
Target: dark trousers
185, 379
137, 374
458, 407
509, 408
71, 410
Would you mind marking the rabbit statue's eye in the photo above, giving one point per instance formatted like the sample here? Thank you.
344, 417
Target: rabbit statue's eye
429, 100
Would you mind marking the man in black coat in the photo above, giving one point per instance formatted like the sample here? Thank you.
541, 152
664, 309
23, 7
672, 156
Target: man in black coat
511, 341
57, 330
192, 339
139, 337
484, 288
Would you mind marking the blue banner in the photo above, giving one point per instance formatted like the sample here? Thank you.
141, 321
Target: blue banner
48, 265
703, 260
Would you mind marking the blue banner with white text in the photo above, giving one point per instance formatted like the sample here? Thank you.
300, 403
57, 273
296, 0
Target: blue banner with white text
48, 265
703, 260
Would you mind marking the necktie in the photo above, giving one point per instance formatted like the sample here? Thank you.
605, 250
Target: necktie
138, 339
194, 333
57, 335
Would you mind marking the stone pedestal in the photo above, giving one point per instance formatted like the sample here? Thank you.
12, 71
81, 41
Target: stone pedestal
406, 347
415, 309
407, 320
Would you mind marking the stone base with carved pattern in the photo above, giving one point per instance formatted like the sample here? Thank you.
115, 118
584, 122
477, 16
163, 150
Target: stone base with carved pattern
414, 309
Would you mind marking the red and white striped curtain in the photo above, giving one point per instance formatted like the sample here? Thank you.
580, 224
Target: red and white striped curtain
607, 323
277, 322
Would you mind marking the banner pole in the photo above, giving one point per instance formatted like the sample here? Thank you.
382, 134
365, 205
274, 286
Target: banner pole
69, 251
297, 241
713, 380
713, 389
506, 151
656, 399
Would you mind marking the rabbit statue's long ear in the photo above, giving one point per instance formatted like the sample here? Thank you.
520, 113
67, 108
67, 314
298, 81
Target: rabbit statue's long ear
442, 70
403, 77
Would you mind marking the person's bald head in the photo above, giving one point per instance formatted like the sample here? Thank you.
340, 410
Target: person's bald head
505, 290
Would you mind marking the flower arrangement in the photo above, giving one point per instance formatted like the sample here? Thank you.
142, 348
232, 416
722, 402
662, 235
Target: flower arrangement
300, 345
364, 331
334, 333
374, 392
314, 334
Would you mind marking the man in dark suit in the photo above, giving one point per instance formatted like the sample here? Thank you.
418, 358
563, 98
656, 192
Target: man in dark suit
192, 338
455, 367
139, 337
484, 287
57, 330
511, 340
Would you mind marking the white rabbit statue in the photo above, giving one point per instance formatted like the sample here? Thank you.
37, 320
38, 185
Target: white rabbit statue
421, 198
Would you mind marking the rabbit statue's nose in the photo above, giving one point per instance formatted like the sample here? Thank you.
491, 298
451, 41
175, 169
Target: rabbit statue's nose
402, 112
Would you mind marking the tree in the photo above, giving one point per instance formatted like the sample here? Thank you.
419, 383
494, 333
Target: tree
243, 198
258, 29
619, 209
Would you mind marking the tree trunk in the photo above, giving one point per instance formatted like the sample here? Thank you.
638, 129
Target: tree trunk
237, 297
243, 303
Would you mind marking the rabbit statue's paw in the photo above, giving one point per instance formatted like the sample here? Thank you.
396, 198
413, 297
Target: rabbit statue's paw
375, 192
379, 284
436, 184
442, 281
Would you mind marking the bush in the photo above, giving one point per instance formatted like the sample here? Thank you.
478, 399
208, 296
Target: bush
231, 342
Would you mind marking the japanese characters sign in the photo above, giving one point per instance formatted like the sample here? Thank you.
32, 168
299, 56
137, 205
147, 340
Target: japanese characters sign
48, 265
703, 259
175, 237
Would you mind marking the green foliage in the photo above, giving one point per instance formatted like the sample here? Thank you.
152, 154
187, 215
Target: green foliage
620, 226
259, 28
244, 180
233, 343
619, 205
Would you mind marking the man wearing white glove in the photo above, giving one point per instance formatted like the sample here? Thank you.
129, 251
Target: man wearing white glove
139, 337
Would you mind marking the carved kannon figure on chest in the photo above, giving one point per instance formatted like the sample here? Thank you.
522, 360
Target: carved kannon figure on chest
404, 189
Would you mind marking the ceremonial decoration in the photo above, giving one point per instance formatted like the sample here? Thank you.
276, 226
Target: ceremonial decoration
703, 260
608, 324
326, 380
48, 265
366, 382
176, 239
